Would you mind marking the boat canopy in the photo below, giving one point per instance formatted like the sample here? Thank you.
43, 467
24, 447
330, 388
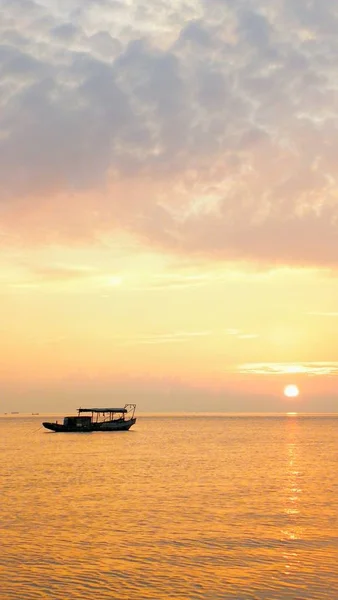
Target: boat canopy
103, 410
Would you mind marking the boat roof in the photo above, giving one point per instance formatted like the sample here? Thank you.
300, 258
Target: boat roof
103, 410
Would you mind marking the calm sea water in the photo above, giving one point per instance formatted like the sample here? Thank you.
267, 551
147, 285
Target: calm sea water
179, 507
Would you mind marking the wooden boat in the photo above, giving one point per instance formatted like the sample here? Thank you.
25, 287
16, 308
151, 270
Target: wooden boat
99, 419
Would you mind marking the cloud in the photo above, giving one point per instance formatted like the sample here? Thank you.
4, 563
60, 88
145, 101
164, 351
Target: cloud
62, 273
305, 368
240, 335
31, 277
323, 314
208, 129
166, 338
175, 280
184, 336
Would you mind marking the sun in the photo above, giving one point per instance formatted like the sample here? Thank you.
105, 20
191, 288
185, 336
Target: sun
291, 391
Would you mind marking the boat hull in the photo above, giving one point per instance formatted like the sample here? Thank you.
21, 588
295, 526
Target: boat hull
116, 425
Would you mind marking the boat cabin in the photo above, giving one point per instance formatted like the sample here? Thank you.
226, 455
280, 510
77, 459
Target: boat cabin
101, 415
78, 422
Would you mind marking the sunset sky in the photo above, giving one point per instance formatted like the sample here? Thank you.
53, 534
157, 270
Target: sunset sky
169, 204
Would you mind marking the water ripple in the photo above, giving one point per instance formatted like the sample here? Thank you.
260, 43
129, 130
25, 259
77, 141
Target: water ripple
189, 509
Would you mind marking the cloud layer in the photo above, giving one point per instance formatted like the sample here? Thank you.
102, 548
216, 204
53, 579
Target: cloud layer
305, 368
202, 127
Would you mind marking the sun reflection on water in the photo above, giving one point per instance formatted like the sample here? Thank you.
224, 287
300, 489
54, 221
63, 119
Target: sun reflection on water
292, 531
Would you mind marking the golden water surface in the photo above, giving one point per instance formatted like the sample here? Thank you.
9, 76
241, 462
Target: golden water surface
179, 507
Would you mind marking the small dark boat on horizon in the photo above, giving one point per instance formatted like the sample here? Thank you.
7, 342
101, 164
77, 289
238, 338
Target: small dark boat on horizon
100, 419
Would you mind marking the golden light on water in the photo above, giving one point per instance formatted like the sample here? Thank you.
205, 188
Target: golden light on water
281, 498
291, 391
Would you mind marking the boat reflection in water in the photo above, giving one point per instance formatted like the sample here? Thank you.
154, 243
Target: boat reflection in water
99, 419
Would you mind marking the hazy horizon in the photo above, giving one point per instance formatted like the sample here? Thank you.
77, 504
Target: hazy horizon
69, 400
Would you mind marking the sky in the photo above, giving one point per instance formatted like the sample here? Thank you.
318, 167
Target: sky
169, 204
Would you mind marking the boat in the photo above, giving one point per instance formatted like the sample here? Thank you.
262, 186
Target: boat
98, 419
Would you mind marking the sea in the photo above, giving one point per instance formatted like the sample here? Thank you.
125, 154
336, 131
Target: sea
191, 507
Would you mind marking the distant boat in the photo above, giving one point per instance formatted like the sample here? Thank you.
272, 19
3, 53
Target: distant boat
100, 419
